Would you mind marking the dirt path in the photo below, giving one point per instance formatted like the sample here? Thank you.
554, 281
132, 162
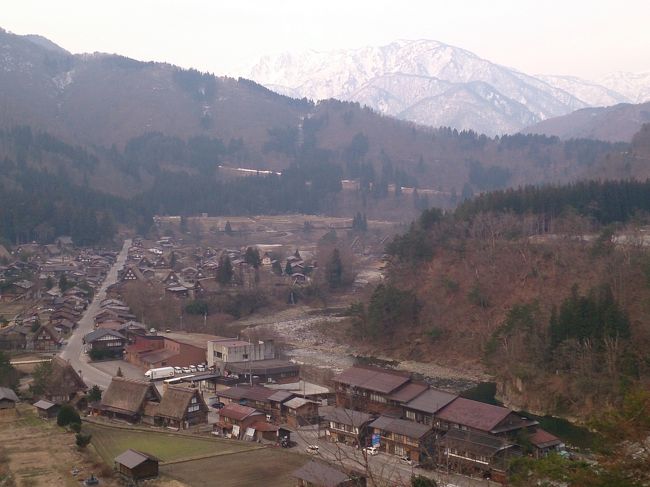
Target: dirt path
308, 342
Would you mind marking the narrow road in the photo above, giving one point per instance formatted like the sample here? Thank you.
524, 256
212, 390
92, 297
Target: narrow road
73, 350
382, 467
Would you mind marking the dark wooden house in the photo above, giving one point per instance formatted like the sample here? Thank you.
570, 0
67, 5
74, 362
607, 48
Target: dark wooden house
133, 466
180, 407
347, 426
126, 399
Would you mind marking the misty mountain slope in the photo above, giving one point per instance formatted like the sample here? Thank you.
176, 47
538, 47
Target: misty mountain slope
589, 92
378, 76
475, 106
618, 123
108, 99
634, 86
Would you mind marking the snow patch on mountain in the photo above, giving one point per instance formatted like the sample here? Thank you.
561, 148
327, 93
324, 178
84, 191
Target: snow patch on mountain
436, 84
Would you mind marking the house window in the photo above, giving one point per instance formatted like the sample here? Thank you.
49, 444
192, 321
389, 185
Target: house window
218, 354
245, 356
400, 450
410, 415
193, 407
377, 397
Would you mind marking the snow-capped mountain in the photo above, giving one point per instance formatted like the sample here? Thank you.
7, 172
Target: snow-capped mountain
589, 92
634, 86
432, 83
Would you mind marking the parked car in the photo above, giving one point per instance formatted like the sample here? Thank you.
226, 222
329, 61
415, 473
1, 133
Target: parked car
186, 370
178, 370
408, 461
371, 450
200, 368
313, 449
217, 405
193, 368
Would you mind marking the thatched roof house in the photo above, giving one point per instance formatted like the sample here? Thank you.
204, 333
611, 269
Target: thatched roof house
127, 399
64, 384
181, 407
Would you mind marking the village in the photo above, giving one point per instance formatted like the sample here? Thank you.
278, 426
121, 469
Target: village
125, 372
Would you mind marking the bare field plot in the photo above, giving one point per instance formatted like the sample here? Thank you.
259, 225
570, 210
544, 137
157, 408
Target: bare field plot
169, 447
270, 467
37, 453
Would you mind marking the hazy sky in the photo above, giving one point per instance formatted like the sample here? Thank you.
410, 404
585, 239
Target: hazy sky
587, 38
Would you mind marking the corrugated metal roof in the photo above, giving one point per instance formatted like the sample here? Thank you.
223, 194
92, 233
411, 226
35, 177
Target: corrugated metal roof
347, 416
408, 392
133, 458
43, 404
373, 379
6, 393
431, 401
320, 474
297, 402
401, 426
237, 411
473, 414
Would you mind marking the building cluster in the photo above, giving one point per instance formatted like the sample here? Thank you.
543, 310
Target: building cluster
395, 414
191, 272
52, 285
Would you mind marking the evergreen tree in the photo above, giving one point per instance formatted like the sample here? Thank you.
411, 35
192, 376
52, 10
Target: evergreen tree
119, 372
94, 394
276, 267
228, 228
334, 270
224, 272
252, 257
287, 269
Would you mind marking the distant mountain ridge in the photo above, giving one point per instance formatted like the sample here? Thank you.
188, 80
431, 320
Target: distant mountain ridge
618, 123
436, 84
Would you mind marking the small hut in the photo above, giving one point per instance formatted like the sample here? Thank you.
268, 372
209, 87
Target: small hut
46, 409
133, 465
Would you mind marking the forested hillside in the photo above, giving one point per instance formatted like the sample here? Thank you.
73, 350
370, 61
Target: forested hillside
116, 103
552, 300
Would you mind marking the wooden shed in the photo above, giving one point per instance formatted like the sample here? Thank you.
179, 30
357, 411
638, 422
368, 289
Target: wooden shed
133, 465
46, 409
8, 398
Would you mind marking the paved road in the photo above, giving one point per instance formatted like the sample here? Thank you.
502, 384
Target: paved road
73, 350
386, 469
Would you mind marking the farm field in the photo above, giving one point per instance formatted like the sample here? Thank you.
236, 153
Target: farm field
35, 453
270, 467
168, 447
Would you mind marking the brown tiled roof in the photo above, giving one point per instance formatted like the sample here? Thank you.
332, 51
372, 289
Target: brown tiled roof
264, 426
430, 401
408, 392
176, 400
544, 439
474, 414
373, 379
404, 427
128, 395
237, 412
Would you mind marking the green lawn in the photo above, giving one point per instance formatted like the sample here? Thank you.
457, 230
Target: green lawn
110, 442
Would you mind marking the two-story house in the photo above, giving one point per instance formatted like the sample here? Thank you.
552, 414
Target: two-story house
369, 389
347, 426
